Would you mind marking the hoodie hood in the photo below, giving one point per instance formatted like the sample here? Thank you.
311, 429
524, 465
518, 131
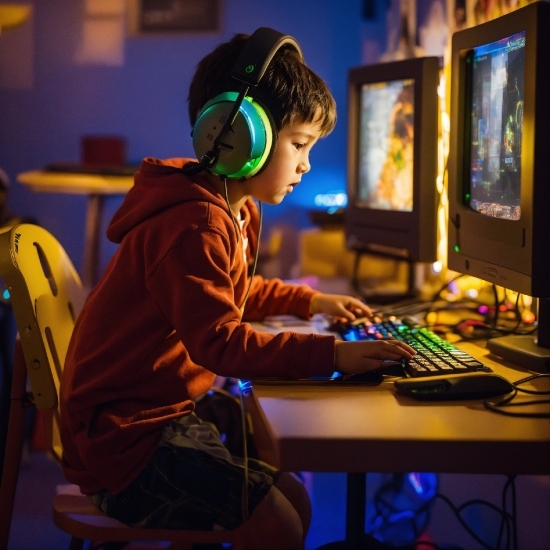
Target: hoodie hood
160, 184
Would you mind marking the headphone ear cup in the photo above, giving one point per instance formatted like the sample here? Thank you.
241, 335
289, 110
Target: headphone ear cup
245, 147
272, 129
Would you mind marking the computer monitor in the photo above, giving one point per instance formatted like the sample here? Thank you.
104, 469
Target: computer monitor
499, 165
392, 159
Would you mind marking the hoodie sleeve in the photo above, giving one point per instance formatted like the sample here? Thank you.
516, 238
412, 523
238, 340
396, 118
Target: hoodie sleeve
200, 303
275, 297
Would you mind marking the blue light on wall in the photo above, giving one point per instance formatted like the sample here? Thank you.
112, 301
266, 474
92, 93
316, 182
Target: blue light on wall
333, 200
322, 180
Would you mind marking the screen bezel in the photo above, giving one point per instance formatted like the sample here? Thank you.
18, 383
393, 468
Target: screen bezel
410, 235
509, 253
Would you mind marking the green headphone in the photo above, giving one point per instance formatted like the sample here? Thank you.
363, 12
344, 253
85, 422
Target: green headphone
234, 135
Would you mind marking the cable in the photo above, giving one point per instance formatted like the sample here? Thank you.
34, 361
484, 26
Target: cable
256, 255
496, 407
497, 304
475, 329
237, 234
508, 525
509, 483
244, 498
528, 379
229, 211
499, 406
457, 512
512, 483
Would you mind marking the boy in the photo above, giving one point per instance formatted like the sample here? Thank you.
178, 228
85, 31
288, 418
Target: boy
167, 317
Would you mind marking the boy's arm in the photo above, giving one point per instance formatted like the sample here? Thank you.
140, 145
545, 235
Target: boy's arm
276, 297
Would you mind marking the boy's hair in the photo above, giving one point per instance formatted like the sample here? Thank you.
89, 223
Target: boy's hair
289, 90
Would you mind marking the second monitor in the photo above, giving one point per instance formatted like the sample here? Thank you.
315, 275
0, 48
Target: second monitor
392, 159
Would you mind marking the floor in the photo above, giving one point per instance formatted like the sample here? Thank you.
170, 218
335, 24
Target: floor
32, 528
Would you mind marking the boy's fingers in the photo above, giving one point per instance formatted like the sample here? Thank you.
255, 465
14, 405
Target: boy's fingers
362, 308
397, 348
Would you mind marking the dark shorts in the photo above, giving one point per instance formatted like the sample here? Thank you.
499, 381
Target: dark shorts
191, 482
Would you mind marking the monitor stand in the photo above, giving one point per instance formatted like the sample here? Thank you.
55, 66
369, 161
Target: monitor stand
528, 351
379, 296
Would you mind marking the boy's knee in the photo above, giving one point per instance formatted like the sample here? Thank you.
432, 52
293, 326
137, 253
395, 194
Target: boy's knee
295, 491
274, 524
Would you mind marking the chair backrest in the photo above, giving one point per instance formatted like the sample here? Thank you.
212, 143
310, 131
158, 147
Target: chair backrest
46, 295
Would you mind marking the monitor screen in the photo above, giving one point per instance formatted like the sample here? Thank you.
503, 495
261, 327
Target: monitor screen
392, 159
386, 145
498, 169
496, 126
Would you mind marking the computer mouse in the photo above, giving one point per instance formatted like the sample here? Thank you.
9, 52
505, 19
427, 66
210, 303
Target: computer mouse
470, 385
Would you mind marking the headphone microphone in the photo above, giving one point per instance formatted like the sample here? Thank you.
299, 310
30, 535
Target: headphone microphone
234, 135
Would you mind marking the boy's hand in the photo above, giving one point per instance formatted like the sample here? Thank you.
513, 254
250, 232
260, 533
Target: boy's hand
358, 357
338, 305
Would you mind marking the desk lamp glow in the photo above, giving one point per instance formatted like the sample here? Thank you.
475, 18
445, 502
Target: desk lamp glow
13, 15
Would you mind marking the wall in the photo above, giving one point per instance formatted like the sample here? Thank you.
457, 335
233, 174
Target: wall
43, 116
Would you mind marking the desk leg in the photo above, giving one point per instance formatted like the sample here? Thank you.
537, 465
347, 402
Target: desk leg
356, 508
91, 240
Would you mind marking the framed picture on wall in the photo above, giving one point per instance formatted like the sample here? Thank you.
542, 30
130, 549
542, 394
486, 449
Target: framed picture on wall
153, 17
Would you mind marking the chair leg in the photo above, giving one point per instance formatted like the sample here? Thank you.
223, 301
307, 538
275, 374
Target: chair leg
19, 402
76, 544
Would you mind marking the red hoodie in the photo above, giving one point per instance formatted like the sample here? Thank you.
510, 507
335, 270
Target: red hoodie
164, 319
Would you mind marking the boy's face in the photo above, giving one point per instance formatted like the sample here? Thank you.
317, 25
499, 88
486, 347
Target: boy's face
289, 162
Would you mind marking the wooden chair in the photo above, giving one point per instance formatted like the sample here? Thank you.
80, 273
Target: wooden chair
46, 294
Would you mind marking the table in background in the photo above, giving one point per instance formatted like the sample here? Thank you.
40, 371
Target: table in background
360, 429
96, 186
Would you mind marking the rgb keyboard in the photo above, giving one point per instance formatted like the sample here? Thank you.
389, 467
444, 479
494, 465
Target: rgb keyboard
435, 356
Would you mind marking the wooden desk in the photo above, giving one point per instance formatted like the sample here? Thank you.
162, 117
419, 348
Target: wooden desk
374, 429
96, 186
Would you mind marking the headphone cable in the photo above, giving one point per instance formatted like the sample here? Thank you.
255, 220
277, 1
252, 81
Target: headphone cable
256, 254
237, 233
244, 496
229, 211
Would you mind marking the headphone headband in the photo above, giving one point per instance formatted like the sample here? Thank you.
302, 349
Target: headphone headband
258, 52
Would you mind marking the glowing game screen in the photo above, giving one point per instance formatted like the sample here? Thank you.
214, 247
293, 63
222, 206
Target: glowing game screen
497, 77
386, 145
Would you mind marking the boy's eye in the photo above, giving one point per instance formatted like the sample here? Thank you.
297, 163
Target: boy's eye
299, 145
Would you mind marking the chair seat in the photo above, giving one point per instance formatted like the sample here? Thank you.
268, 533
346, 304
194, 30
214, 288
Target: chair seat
77, 516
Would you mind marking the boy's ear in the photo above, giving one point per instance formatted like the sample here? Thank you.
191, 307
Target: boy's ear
243, 147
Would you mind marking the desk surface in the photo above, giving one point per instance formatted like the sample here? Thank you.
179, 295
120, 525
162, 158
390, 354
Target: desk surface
76, 183
374, 429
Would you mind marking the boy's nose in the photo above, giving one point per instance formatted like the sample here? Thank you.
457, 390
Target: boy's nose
304, 167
